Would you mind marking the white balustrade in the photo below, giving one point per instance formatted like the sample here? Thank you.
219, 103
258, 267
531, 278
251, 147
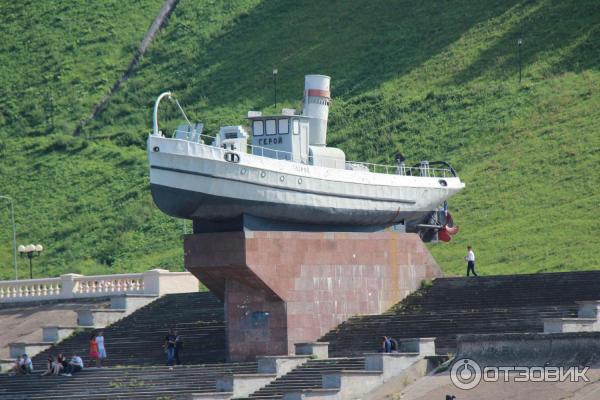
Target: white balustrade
153, 282
30, 289
109, 284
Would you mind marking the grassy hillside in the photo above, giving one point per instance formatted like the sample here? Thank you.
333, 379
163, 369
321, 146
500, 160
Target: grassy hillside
433, 80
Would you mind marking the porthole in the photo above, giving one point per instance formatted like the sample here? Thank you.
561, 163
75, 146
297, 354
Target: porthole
263, 174
282, 178
443, 182
156, 149
299, 180
243, 171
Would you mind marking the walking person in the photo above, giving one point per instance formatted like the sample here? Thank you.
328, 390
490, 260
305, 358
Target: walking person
386, 345
94, 349
169, 347
178, 347
101, 349
470, 259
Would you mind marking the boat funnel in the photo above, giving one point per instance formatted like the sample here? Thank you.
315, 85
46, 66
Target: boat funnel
316, 106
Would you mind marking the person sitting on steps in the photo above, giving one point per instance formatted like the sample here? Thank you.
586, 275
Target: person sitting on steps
395, 345
22, 366
49, 363
57, 366
53, 367
62, 360
75, 365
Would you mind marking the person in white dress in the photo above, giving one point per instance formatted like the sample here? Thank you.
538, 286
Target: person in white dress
101, 348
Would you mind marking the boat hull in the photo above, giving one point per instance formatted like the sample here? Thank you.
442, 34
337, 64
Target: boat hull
202, 206
195, 181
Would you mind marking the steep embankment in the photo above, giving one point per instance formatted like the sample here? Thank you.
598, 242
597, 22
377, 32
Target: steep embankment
436, 81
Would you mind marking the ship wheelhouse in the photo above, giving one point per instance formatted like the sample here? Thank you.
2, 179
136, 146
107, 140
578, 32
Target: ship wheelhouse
283, 137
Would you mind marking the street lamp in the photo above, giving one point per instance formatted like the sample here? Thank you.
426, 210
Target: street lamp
275, 71
30, 251
519, 44
12, 214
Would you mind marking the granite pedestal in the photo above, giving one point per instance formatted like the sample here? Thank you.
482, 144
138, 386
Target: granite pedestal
281, 288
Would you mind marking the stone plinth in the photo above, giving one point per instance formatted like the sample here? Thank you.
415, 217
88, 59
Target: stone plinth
281, 288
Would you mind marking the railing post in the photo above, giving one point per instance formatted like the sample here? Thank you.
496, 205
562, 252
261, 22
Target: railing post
152, 281
67, 285
160, 281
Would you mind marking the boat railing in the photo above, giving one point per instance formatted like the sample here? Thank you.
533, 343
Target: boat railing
423, 169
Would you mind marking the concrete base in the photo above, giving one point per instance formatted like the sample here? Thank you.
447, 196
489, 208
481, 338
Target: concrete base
99, 318
282, 288
212, 396
57, 333
390, 364
242, 385
380, 368
315, 349
6, 364
531, 349
392, 387
313, 394
588, 309
586, 321
279, 365
565, 325
352, 384
130, 302
31, 349
423, 346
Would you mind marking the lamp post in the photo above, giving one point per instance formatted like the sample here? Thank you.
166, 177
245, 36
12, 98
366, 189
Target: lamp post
30, 251
519, 44
275, 71
12, 216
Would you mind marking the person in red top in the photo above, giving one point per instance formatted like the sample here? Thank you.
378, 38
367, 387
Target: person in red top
94, 349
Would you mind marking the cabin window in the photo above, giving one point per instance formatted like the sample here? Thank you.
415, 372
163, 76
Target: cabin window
295, 126
271, 127
283, 126
257, 128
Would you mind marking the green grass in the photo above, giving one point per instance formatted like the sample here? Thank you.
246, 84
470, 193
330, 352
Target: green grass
435, 80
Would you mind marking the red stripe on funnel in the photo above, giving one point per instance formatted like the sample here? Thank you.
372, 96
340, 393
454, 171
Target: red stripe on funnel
318, 93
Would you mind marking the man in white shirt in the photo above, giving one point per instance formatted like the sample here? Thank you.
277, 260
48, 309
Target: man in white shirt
75, 365
23, 365
470, 259
27, 365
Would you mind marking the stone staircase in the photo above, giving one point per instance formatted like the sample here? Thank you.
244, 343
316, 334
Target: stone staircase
452, 306
307, 376
121, 383
23, 323
137, 339
446, 308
